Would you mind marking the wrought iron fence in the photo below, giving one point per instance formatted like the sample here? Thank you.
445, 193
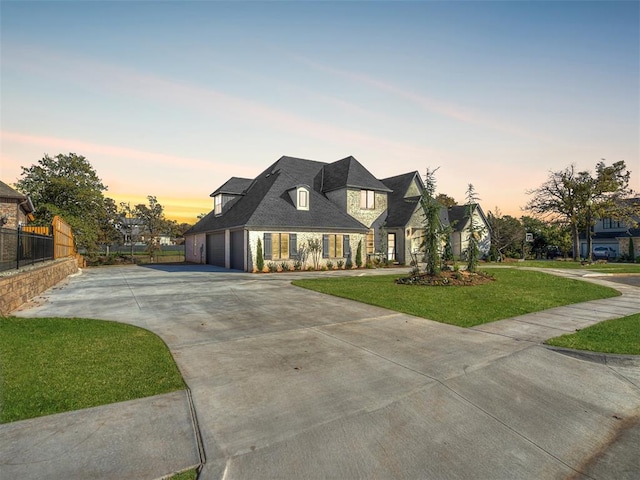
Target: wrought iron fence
19, 248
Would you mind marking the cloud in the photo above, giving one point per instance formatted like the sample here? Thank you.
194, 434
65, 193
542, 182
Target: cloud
123, 154
429, 104
100, 76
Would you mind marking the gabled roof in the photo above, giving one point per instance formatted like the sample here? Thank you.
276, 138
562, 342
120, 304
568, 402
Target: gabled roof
25, 202
348, 172
266, 203
233, 186
458, 216
401, 207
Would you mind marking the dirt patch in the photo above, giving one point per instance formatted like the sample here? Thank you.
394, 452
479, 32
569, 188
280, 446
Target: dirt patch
448, 279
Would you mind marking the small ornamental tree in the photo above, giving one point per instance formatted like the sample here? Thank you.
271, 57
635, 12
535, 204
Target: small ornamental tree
432, 226
259, 256
315, 248
631, 250
359, 255
474, 231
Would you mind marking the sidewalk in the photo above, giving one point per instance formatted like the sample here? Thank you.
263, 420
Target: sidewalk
147, 438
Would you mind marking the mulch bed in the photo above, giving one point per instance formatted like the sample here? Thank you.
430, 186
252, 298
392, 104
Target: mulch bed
448, 278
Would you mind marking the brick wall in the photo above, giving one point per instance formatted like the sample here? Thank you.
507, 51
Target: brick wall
21, 287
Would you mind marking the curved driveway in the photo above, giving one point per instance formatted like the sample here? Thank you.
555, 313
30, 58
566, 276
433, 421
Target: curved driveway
292, 384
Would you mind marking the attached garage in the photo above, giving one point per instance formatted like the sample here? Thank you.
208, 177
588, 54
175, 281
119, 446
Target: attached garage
215, 249
237, 250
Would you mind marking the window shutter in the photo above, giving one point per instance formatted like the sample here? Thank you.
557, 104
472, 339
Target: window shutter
325, 246
293, 245
346, 247
339, 247
267, 246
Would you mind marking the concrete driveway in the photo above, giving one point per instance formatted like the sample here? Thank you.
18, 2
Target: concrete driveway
292, 384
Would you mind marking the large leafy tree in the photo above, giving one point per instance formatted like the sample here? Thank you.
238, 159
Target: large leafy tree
107, 223
177, 230
68, 186
153, 221
507, 234
446, 200
578, 197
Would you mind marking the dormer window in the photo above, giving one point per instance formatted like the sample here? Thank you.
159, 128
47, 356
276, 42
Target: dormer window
303, 199
217, 204
367, 199
300, 197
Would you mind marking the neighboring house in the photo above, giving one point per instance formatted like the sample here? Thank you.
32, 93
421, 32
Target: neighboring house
16, 208
458, 218
615, 235
294, 201
133, 229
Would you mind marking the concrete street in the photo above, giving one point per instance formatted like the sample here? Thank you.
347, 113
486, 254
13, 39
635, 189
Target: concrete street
289, 384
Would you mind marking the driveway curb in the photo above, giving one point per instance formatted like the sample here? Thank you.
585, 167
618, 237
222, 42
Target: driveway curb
598, 357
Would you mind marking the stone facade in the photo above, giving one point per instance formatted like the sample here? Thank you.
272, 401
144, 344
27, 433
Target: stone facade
365, 216
302, 238
623, 244
14, 214
19, 288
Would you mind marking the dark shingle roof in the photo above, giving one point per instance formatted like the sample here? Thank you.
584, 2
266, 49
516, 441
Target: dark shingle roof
458, 213
348, 172
401, 208
266, 203
7, 192
233, 186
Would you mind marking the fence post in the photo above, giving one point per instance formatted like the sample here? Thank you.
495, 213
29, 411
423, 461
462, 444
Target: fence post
18, 246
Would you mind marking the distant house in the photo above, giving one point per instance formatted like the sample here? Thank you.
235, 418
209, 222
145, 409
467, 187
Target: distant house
458, 218
133, 230
340, 204
16, 208
614, 234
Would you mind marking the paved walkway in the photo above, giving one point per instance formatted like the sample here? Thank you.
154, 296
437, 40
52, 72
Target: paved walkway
288, 383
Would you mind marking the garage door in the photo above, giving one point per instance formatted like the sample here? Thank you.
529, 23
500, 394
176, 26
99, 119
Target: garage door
237, 250
215, 249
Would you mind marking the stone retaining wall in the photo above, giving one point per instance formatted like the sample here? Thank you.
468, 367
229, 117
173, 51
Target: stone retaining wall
23, 286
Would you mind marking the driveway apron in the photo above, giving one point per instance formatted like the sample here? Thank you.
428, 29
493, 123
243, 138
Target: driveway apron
289, 383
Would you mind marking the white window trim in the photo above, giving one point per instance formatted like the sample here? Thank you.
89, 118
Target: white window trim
302, 193
367, 199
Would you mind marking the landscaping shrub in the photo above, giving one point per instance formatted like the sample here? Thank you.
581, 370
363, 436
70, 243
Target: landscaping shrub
259, 257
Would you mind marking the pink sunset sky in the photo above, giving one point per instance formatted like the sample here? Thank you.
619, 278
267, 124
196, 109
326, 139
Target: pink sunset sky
173, 98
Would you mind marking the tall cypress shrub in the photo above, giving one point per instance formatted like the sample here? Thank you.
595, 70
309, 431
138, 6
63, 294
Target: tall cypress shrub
359, 255
259, 257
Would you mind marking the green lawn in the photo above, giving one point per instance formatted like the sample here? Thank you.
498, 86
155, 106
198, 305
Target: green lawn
621, 335
515, 292
188, 475
53, 365
600, 267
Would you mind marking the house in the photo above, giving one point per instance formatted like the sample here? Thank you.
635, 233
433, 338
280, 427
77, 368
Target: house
615, 234
16, 208
295, 201
134, 229
459, 220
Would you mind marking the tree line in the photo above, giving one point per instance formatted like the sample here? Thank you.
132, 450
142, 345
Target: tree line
567, 203
67, 185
